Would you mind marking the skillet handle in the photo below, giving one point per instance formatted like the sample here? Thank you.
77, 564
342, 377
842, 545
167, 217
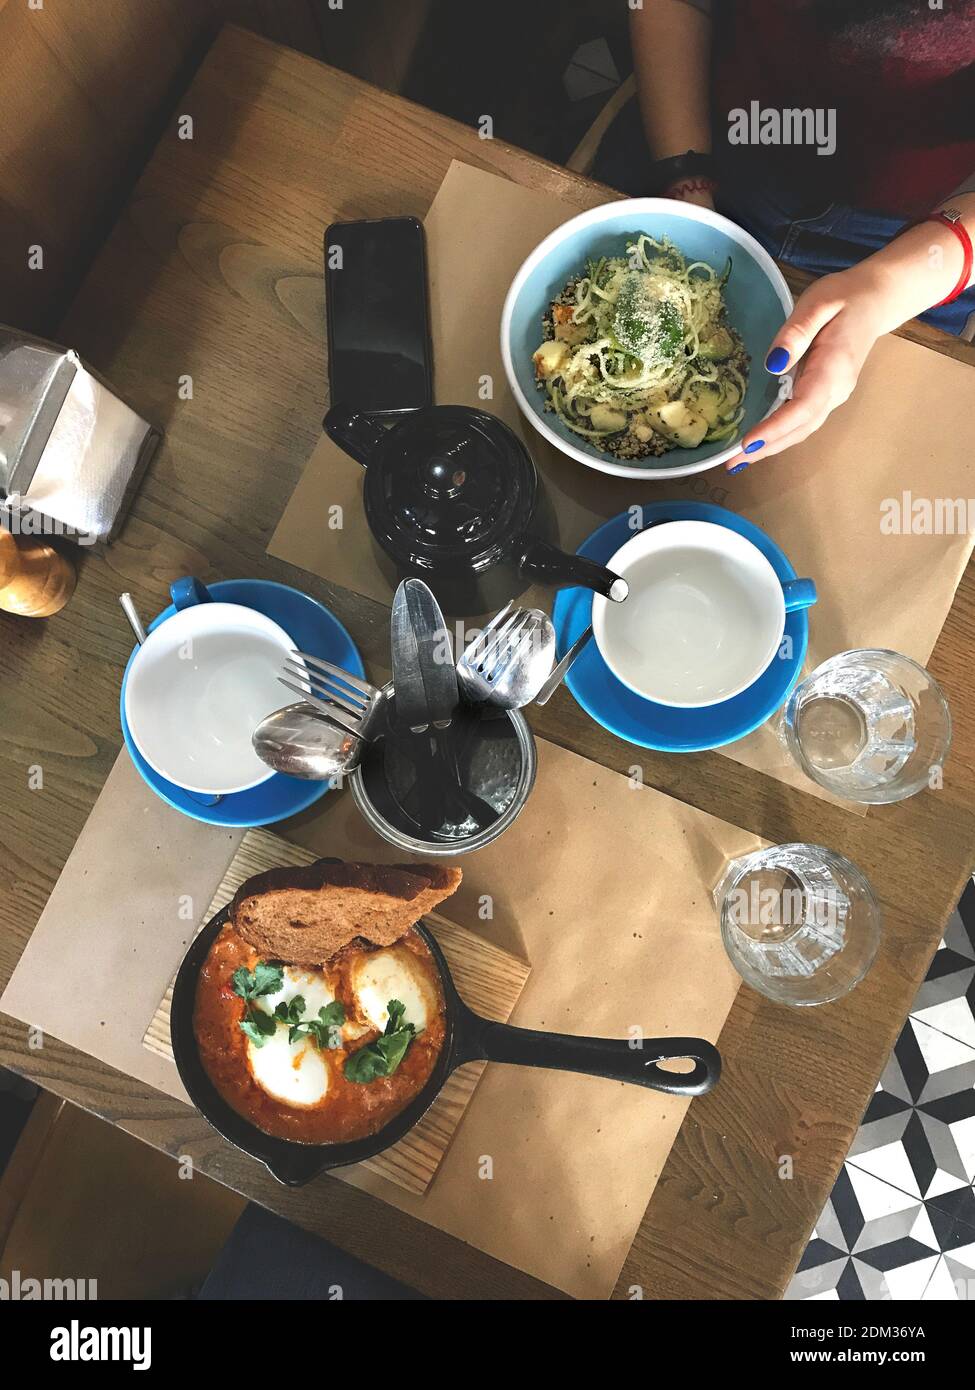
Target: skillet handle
553, 566
614, 1058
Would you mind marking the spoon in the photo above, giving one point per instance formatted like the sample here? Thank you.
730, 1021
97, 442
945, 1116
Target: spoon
132, 613
559, 672
301, 743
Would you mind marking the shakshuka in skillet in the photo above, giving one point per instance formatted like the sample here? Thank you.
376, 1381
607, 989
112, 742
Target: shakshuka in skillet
319, 1012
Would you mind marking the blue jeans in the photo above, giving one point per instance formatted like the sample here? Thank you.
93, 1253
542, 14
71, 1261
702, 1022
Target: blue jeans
834, 239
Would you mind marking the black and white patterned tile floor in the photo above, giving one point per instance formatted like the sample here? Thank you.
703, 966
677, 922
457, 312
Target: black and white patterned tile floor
900, 1222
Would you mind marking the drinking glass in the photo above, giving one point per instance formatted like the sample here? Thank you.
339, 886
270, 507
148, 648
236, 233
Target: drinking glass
871, 725
800, 922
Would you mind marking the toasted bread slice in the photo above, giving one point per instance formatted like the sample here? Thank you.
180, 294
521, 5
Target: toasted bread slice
303, 916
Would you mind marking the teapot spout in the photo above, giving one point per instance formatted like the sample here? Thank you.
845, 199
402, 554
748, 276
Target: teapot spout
356, 434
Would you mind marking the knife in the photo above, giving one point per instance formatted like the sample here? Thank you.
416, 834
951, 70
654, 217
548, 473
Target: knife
426, 696
424, 675
411, 707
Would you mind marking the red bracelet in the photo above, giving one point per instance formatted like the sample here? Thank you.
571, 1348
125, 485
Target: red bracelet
682, 187
951, 218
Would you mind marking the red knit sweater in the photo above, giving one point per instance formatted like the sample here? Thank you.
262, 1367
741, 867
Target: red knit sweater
899, 74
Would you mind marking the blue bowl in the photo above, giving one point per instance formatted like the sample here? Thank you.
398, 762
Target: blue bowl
666, 727
757, 297
313, 629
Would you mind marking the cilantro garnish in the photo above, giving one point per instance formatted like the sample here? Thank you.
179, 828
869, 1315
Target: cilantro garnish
260, 1025
263, 979
251, 985
382, 1057
323, 1030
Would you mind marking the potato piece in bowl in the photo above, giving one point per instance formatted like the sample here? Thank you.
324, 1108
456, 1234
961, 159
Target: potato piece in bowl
604, 417
677, 422
550, 358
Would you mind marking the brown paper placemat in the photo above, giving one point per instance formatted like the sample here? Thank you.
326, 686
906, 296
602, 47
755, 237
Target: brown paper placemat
907, 428
489, 979
548, 1171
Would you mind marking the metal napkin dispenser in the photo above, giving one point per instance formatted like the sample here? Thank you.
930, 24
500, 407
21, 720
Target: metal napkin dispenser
71, 452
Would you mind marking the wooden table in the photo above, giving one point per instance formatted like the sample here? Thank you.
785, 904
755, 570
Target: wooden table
215, 272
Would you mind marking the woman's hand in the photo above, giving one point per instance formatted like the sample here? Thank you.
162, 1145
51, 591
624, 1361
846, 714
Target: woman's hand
825, 341
837, 321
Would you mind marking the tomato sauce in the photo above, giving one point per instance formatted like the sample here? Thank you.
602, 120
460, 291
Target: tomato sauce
348, 1110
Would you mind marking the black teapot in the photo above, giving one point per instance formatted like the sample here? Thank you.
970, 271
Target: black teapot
451, 497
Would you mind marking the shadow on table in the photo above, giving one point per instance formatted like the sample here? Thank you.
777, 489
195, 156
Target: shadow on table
268, 1258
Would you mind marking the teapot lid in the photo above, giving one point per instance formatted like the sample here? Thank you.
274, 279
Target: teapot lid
448, 489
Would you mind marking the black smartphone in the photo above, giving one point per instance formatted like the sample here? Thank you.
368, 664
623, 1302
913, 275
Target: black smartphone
379, 353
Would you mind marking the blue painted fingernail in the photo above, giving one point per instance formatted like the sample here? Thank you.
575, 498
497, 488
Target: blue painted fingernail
777, 360
754, 446
739, 466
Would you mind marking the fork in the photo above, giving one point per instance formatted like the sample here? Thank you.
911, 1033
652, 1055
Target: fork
347, 700
510, 658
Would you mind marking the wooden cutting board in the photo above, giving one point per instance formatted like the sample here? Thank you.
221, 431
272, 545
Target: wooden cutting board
489, 980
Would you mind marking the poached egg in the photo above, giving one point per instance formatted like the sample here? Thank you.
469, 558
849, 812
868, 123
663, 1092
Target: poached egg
297, 1073
312, 985
394, 973
293, 1072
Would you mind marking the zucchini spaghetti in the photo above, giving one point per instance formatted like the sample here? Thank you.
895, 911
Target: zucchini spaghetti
638, 356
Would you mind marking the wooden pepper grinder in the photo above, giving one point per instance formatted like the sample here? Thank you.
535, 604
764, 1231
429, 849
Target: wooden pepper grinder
35, 579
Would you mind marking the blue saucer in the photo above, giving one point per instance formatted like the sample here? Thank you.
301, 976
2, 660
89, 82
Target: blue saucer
665, 727
313, 629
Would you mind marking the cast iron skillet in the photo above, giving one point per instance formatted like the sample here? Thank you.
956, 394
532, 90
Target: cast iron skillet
468, 1038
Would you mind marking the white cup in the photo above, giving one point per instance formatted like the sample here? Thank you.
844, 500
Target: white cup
197, 689
704, 617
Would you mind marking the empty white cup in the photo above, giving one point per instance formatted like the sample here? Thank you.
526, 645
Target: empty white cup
197, 689
704, 617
